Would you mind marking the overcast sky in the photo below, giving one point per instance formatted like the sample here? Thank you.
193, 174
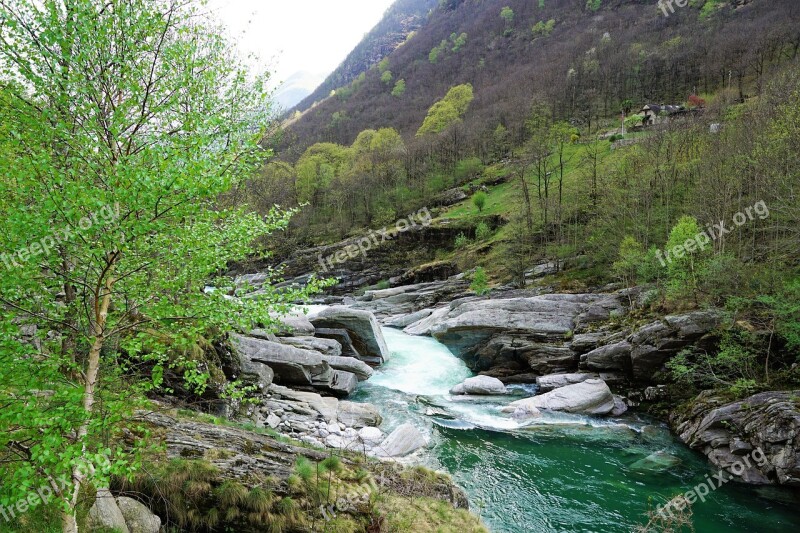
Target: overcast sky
299, 35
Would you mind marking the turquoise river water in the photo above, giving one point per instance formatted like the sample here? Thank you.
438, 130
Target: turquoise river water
564, 473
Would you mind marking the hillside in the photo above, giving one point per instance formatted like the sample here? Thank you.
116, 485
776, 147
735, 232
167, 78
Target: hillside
402, 18
585, 63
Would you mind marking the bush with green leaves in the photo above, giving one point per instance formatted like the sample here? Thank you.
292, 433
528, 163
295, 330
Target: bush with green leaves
480, 282
479, 200
462, 241
482, 231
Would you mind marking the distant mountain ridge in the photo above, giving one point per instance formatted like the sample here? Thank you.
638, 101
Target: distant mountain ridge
402, 18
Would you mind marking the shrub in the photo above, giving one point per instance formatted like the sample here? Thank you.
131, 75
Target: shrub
479, 200
482, 231
461, 240
480, 282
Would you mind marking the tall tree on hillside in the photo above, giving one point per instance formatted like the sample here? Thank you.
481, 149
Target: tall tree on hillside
129, 118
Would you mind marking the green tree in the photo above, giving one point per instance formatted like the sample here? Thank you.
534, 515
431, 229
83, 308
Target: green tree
387, 77
507, 14
447, 111
317, 168
480, 282
479, 200
685, 260
130, 119
631, 257
399, 88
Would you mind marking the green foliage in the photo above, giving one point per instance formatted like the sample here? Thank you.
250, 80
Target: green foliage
480, 282
468, 168
542, 28
462, 241
507, 14
631, 257
129, 127
734, 366
685, 261
383, 65
399, 88
387, 77
593, 5
458, 41
482, 231
479, 200
447, 111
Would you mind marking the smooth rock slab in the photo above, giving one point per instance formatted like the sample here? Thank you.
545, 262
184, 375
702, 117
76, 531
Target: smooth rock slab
480, 386
592, 397
292, 366
556, 381
360, 324
402, 441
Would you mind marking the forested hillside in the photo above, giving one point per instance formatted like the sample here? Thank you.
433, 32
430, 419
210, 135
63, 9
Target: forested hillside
584, 59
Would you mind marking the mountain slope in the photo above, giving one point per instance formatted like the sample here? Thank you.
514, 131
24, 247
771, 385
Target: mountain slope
584, 63
402, 18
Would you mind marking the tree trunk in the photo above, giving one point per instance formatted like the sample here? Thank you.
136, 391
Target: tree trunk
103, 302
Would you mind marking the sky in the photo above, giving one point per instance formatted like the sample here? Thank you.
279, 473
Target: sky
299, 35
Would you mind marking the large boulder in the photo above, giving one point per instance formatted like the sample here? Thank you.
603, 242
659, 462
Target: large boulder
612, 357
341, 384
756, 440
363, 328
106, 514
350, 364
511, 337
358, 415
292, 366
295, 323
138, 517
402, 441
326, 407
556, 381
480, 386
592, 397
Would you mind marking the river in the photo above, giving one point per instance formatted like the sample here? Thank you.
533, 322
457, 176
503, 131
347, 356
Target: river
561, 472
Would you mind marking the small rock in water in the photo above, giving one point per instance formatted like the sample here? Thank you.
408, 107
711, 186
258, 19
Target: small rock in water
656, 462
480, 386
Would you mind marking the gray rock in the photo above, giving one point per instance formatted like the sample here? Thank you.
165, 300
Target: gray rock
328, 347
273, 421
656, 462
592, 397
362, 327
556, 381
326, 407
342, 338
401, 321
371, 435
757, 440
612, 357
402, 441
342, 384
138, 517
105, 513
358, 415
292, 366
350, 364
293, 324
480, 386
